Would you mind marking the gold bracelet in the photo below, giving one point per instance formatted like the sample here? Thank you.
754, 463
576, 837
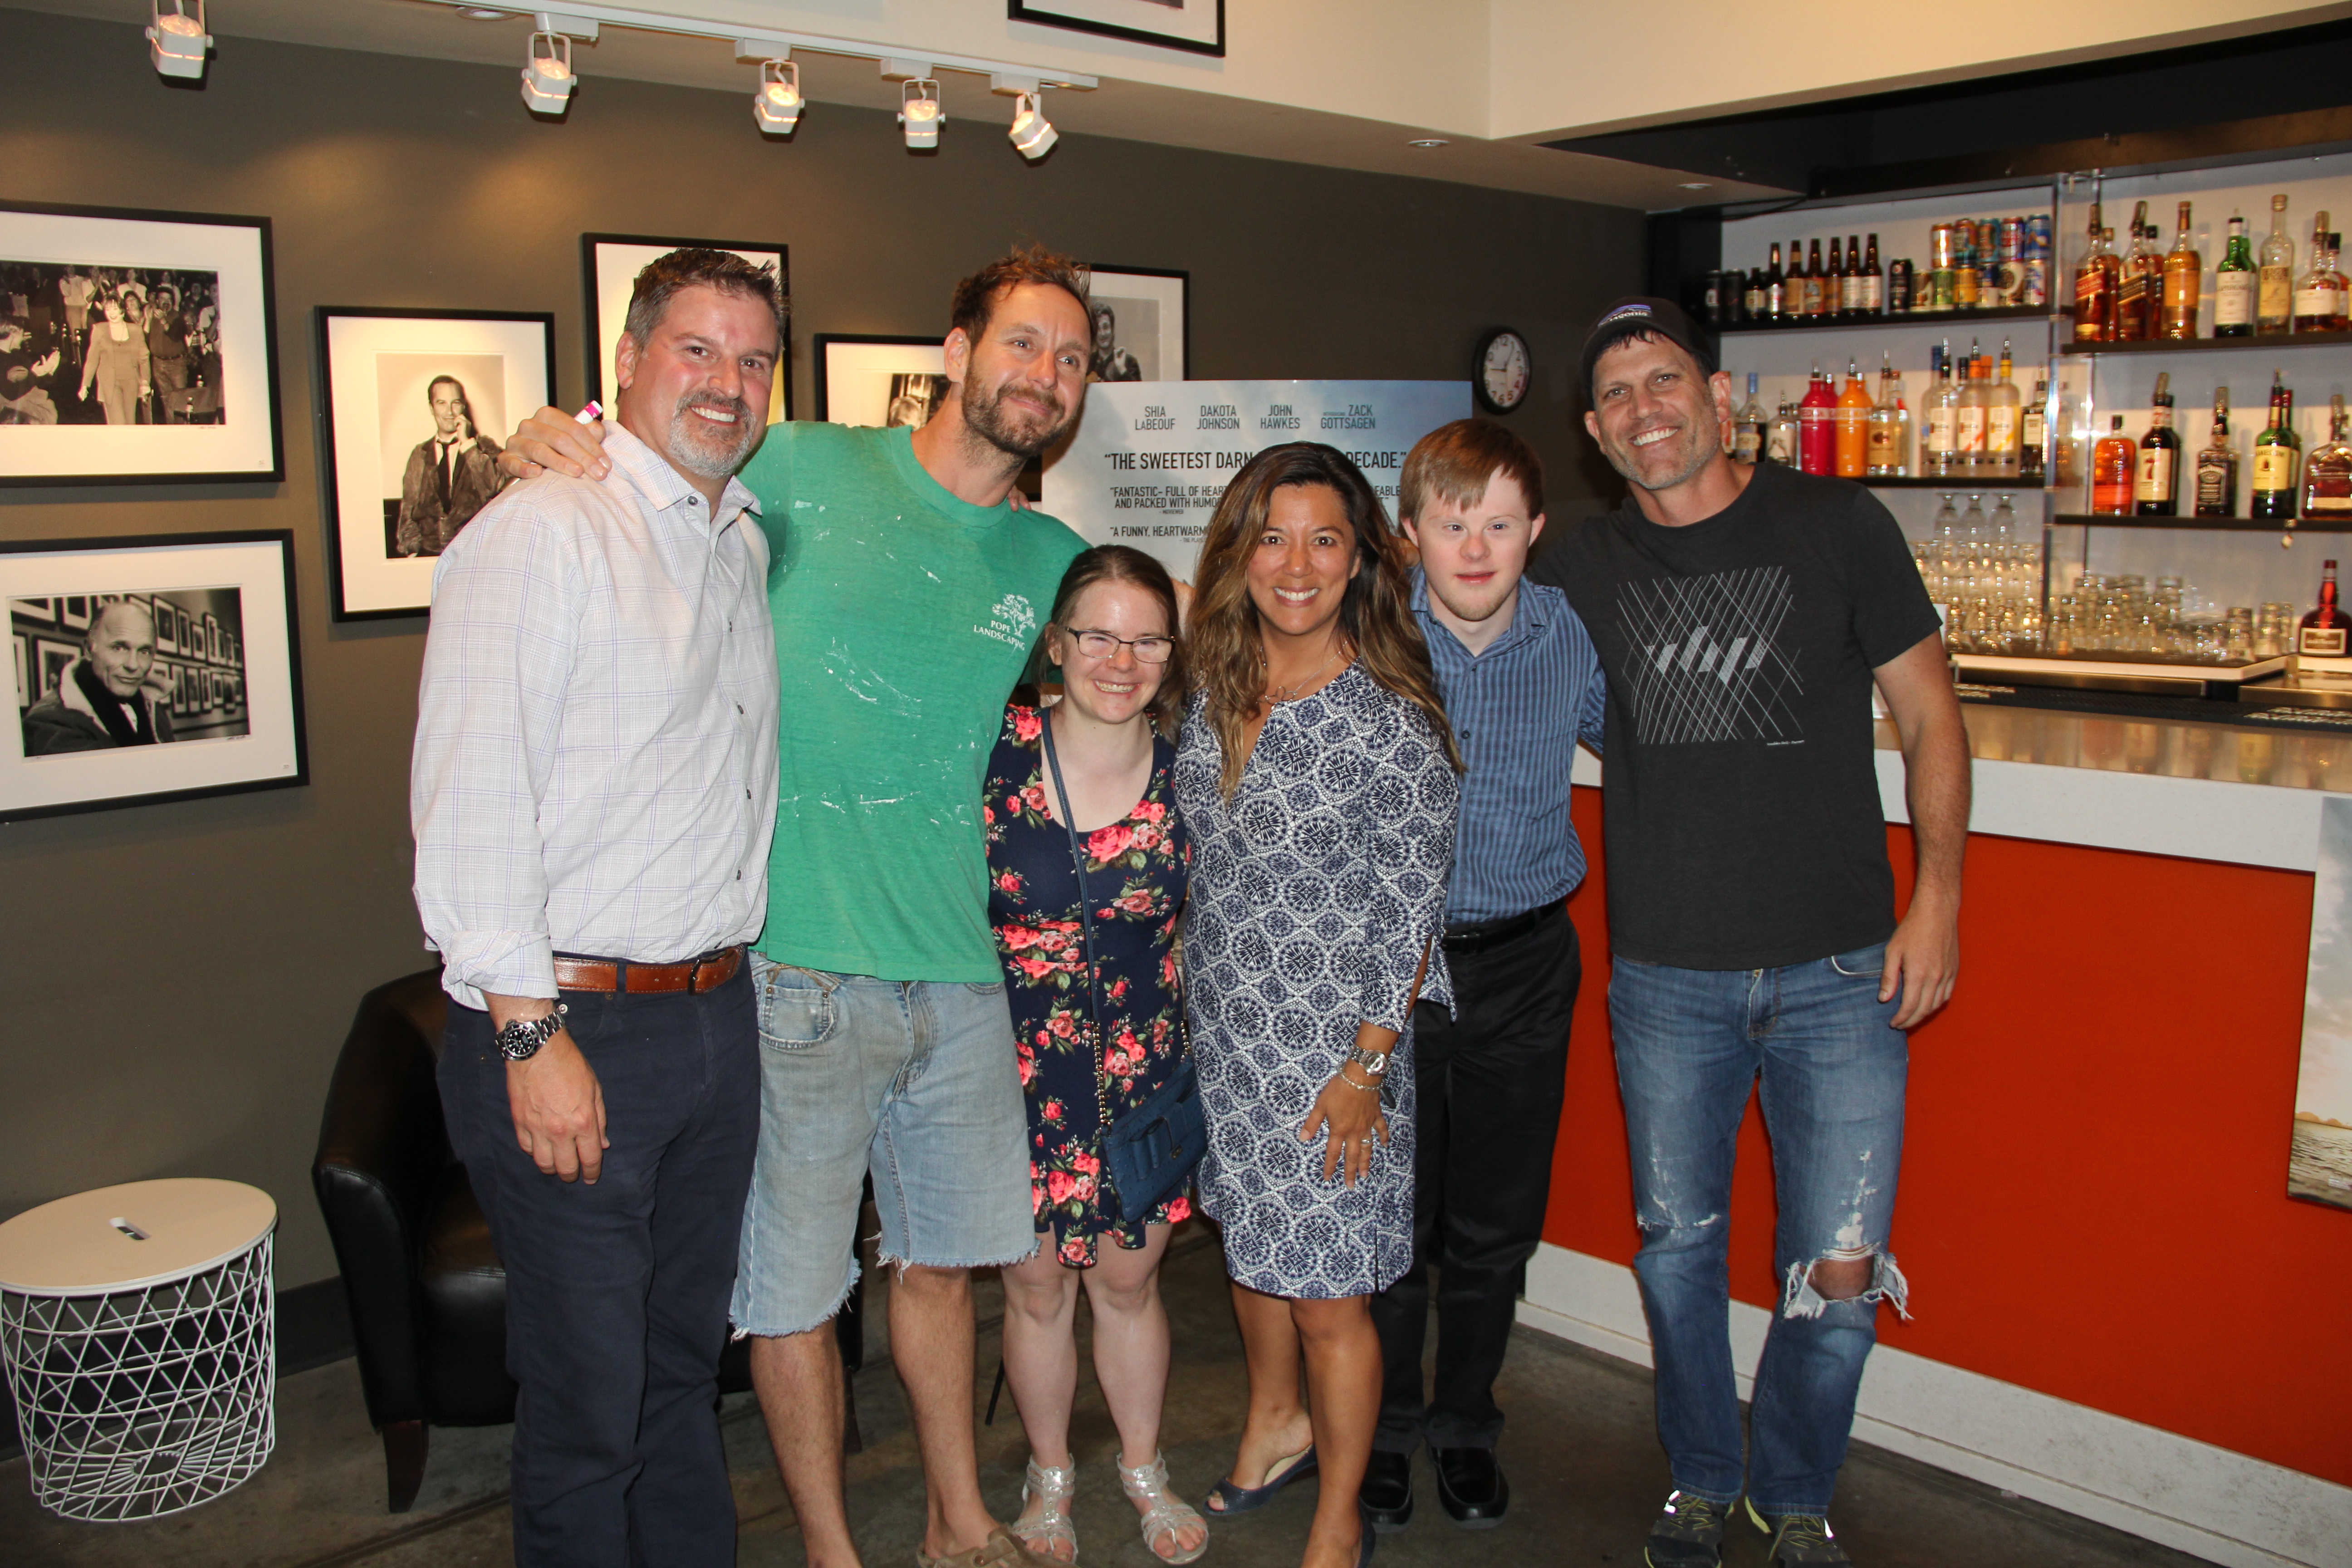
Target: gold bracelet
1360, 1087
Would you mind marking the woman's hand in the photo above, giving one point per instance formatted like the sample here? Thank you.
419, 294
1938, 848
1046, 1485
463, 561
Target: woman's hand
1352, 1112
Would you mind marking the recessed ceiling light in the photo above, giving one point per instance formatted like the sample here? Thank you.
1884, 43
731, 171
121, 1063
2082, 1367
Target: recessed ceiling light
1429, 141
483, 13
1697, 185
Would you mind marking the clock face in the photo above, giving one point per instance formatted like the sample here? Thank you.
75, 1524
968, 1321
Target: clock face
1504, 366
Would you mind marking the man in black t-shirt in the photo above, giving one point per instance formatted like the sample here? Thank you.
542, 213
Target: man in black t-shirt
1743, 615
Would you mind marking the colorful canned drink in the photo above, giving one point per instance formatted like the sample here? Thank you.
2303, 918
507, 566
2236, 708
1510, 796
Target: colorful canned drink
2034, 282
1942, 239
2037, 238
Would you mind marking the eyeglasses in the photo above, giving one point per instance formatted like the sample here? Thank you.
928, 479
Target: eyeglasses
1102, 645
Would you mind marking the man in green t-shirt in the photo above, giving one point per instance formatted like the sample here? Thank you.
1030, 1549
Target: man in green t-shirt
907, 591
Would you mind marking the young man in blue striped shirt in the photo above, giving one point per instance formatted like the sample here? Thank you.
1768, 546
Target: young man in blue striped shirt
1523, 686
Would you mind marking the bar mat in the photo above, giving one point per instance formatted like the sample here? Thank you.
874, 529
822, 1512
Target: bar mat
2129, 705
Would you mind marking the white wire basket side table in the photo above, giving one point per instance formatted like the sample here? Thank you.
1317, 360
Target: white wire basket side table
137, 1324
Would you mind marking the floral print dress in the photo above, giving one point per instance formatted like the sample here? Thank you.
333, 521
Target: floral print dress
1136, 869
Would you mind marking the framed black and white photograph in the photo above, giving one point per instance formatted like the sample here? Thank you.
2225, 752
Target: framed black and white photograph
1195, 25
880, 381
1139, 323
417, 404
136, 348
613, 262
120, 716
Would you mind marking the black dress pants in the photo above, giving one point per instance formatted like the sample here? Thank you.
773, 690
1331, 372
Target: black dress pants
1491, 1078
618, 1293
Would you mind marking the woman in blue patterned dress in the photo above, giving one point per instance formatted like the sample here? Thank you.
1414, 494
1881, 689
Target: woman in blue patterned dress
1113, 635
1318, 777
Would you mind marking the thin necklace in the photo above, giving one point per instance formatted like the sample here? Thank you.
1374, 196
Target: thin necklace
1290, 693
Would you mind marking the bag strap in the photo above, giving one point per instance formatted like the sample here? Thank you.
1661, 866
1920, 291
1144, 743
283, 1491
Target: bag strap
1085, 917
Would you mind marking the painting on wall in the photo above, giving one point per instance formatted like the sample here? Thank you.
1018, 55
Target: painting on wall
417, 404
136, 347
1139, 323
120, 715
1197, 26
613, 262
2319, 1157
879, 381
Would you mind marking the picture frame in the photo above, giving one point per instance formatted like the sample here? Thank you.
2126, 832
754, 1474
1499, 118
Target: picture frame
110, 719
1196, 26
610, 264
187, 393
878, 379
384, 380
1151, 321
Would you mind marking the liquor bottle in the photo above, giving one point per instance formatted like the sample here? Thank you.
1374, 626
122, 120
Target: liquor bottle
2320, 634
1940, 414
2033, 435
2275, 279
1817, 441
2217, 464
1817, 278
1969, 438
2272, 496
2319, 294
2156, 491
1782, 437
2002, 435
1851, 451
2095, 281
2235, 284
2112, 463
2327, 472
1889, 425
1874, 283
1776, 288
1748, 429
2141, 289
1751, 297
2184, 270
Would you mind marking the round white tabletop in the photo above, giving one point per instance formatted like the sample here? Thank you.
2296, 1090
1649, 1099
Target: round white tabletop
136, 1234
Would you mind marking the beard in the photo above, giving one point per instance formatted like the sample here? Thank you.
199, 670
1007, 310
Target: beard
1692, 450
986, 414
713, 451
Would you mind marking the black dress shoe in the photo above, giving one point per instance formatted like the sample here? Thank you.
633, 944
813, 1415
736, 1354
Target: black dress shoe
1387, 1491
1471, 1486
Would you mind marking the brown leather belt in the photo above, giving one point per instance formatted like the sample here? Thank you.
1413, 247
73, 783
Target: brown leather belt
705, 974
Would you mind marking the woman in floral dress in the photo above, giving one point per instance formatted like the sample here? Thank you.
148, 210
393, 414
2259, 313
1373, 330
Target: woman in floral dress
1113, 637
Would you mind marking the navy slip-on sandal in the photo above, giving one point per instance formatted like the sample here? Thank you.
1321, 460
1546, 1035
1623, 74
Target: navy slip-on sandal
1226, 1499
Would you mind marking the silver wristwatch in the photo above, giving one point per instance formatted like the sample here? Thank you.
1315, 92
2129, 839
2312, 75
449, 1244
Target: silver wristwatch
519, 1041
1374, 1063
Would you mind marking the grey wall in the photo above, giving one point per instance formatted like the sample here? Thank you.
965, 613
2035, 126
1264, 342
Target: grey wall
174, 980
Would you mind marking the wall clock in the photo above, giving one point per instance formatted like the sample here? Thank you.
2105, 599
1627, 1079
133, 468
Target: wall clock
1500, 371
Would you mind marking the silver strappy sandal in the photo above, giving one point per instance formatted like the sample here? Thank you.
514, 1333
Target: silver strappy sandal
1166, 1516
1052, 1485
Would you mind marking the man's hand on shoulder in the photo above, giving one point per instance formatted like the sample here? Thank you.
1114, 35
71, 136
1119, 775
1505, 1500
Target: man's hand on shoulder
552, 439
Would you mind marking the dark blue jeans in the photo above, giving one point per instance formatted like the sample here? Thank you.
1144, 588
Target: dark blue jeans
616, 1294
1690, 1043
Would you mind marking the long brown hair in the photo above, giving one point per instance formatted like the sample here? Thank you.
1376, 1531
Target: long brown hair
1118, 563
1227, 649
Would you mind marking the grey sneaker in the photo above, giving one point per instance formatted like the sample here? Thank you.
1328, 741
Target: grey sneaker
1800, 1541
1688, 1533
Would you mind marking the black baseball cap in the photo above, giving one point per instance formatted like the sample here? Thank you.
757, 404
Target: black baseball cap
1639, 315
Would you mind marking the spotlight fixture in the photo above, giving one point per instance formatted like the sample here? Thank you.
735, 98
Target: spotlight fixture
1032, 135
179, 39
921, 114
1697, 185
777, 105
547, 78
1429, 141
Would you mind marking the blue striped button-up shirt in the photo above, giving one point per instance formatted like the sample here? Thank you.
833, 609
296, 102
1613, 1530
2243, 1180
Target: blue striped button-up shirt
1519, 709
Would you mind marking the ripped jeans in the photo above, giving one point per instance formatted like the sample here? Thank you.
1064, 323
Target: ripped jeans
1689, 1043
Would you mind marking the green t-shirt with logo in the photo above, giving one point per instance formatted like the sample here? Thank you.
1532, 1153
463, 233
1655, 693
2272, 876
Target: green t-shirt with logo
903, 618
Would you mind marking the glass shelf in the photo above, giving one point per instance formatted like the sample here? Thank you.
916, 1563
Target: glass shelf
1956, 483
1880, 323
2226, 524
2261, 341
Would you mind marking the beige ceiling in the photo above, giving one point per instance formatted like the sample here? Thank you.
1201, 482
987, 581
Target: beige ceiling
1196, 107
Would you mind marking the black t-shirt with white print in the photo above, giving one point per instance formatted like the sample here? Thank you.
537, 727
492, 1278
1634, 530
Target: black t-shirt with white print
1743, 825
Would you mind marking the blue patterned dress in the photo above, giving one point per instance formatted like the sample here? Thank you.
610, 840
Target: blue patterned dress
1316, 889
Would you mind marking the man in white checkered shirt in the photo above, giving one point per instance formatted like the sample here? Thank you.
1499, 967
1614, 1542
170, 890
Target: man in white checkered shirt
594, 791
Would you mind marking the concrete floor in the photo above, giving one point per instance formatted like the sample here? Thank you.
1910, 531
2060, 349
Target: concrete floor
1581, 1454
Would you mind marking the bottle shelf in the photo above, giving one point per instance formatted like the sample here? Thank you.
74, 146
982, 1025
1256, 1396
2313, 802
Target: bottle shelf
2261, 341
1880, 322
2225, 524
1956, 483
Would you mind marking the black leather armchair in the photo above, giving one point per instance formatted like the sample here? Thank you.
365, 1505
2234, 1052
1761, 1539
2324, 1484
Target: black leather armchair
427, 1292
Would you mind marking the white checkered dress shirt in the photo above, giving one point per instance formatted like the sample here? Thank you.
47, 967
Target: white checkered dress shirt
596, 764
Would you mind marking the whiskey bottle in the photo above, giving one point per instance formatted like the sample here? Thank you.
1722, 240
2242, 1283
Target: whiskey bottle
2321, 632
2327, 472
1783, 435
2319, 294
2033, 437
2184, 270
1890, 425
2095, 281
1747, 428
2141, 289
2113, 465
2272, 496
2217, 465
2156, 491
2274, 284
2235, 284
